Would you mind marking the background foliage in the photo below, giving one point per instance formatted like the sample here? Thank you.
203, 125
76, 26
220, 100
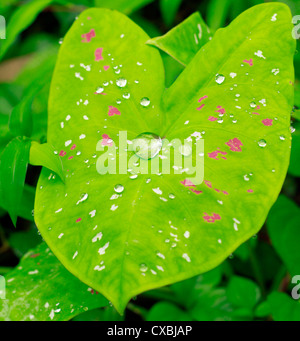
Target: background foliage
253, 284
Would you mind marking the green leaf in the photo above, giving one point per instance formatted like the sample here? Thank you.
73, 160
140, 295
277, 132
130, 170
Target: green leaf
25, 209
184, 40
160, 231
27, 203
46, 156
263, 309
21, 120
165, 311
283, 228
23, 241
283, 307
169, 9
242, 292
125, 6
13, 168
212, 305
217, 12
41, 289
20, 20
187, 292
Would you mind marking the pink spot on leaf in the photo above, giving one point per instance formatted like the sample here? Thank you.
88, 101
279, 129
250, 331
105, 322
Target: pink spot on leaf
214, 155
98, 54
208, 183
201, 106
202, 98
212, 118
106, 140
188, 184
212, 218
88, 36
62, 153
113, 111
250, 61
73, 147
106, 67
235, 145
78, 220
250, 191
220, 110
267, 122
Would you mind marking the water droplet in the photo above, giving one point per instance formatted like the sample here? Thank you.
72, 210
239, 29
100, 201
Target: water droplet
145, 101
147, 145
143, 267
99, 90
121, 82
219, 78
171, 196
282, 137
252, 105
126, 95
119, 188
262, 143
82, 198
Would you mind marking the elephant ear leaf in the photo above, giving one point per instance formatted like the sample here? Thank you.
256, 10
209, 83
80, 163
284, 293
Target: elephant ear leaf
123, 234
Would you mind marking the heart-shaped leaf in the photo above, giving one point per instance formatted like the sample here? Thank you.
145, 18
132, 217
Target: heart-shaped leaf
127, 233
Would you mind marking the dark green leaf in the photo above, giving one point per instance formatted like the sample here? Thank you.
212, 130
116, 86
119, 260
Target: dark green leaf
169, 9
242, 292
21, 19
165, 311
41, 289
13, 168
